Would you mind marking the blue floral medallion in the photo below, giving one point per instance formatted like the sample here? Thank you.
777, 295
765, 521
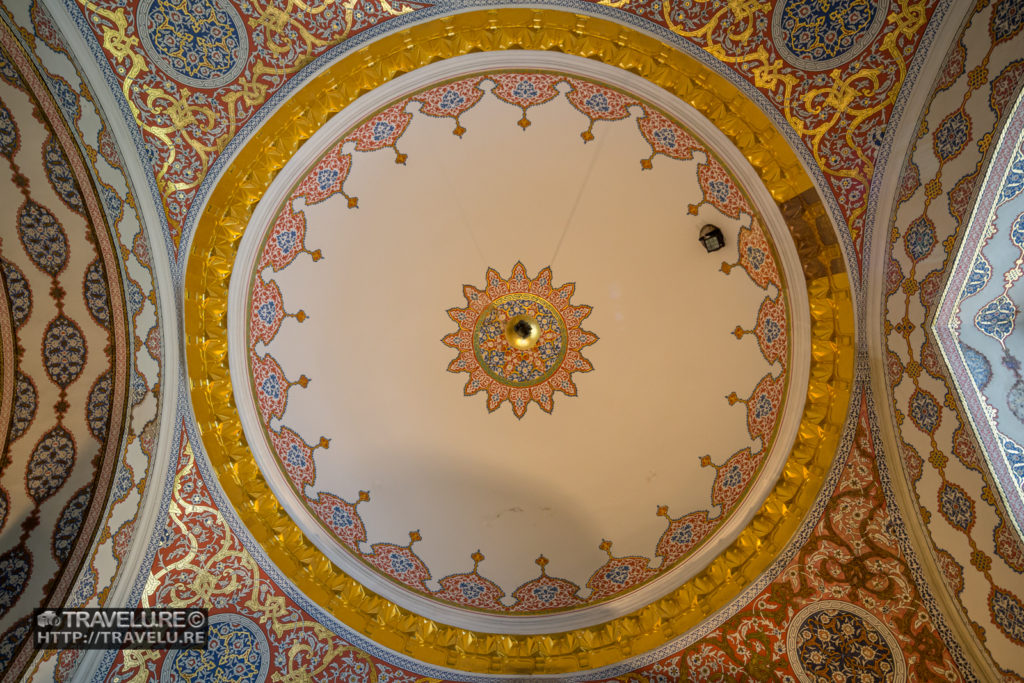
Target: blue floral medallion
837, 641
63, 351
50, 464
237, 651
202, 43
821, 34
43, 238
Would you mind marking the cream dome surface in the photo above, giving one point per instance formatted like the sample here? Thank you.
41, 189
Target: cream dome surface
493, 374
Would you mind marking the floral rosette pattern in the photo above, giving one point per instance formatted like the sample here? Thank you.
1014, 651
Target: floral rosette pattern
486, 334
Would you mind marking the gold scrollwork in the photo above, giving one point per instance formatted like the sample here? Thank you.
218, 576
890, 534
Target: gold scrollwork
833, 105
206, 291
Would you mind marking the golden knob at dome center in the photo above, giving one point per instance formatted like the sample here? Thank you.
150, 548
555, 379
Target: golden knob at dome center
522, 332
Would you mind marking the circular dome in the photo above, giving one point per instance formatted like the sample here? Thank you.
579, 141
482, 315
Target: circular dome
493, 374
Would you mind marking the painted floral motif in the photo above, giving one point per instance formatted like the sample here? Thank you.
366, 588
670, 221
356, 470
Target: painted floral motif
525, 90
618, 574
97, 410
10, 141
504, 362
43, 238
1007, 20
451, 100
286, 241
271, 386
495, 365
203, 44
237, 650
382, 131
719, 189
978, 365
69, 524
920, 238
545, 593
952, 134
833, 642
63, 351
598, 103
981, 272
996, 318
94, 289
58, 172
266, 312
818, 36
324, 181
665, 137
472, 590
956, 506
15, 571
924, 411
24, 405
341, 517
296, 456
1008, 612
50, 464
19, 294
400, 562
12, 639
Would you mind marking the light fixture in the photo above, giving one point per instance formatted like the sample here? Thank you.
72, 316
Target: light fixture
712, 238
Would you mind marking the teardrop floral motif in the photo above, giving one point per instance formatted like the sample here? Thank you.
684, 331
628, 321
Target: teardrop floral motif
43, 238
9, 138
50, 464
25, 399
63, 351
58, 171
19, 294
94, 289
70, 523
97, 410
15, 571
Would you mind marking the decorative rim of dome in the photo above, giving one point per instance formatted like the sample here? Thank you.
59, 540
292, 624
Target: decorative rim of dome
230, 207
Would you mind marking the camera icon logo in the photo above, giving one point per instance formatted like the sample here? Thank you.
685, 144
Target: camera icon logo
48, 619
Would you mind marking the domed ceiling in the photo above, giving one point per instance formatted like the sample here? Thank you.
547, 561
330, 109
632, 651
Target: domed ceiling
420, 369
452, 389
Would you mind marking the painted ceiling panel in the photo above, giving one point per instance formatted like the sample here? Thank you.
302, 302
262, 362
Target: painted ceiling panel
975, 540
128, 430
70, 351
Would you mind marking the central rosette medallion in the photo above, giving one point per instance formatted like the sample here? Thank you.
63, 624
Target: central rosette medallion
520, 339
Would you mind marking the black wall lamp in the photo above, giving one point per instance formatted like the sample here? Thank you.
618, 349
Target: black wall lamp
712, 238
